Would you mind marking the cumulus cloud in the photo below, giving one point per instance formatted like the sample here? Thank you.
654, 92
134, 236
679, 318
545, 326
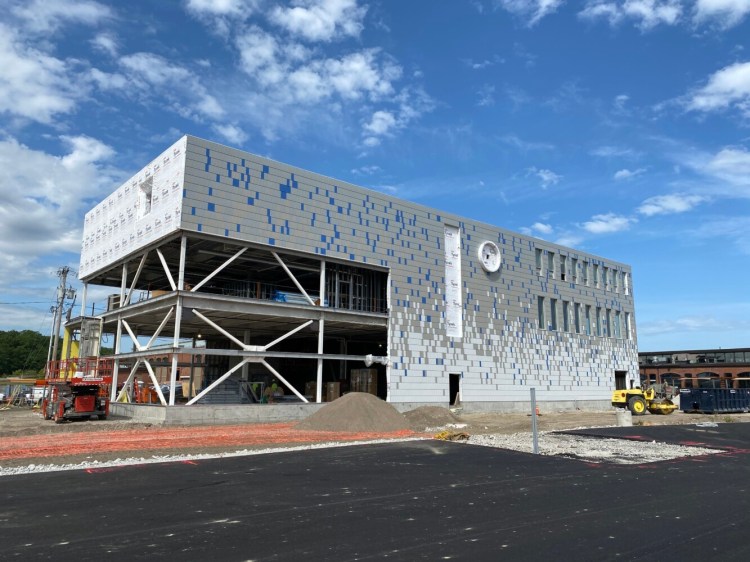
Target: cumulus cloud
106, 43
180, 86
47, 16
547, 177
320, 20
408, 105
607, 223
646, 14
231, 133
670, 204
731, 165
220, 7
723, 13
626, 174
542, 228
42, 197
531, 11
726, 88
33, 84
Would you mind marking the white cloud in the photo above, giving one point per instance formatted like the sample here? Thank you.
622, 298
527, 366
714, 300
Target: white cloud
231, 133
516, 141
731, 165
547, 177
684, 324
220, 7
380, 124
46, 16
34, 85
532, 11
541, 228
366, 170
724, 13
646, 14
607, 224
486, 96
41, 199
410, 105
569, 240
220, 15
626, 174
153, 75
107, 43
728, 87
613, 152
735, 229
669, 204
320, 20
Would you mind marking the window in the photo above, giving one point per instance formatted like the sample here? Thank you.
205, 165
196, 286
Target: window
553, 314
563, 267
605, 278
586, 273
596, 275
577, 317
574, 270
538, 261
144, 197
588, 319
540, 312
617, 281
625, 283
608, 324
566, 316
551, 263
598, 319
618, 333
628, 332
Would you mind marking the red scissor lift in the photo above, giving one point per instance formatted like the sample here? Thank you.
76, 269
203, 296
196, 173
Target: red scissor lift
77, 389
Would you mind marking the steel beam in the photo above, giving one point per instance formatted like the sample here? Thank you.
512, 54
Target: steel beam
217, 270
294, 280
135, 280
218, 381
285, 382
166, 270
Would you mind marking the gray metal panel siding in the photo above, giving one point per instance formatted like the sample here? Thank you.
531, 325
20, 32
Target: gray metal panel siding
502, 354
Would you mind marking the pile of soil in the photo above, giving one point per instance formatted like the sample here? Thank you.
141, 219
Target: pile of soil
430, 416
356, 411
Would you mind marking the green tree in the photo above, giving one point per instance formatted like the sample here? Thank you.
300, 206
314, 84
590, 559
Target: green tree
24, 351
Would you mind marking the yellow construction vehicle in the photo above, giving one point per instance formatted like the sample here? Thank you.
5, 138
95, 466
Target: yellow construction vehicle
656, 398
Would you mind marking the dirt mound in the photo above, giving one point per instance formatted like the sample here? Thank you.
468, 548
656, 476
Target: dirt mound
356, 411
430, 416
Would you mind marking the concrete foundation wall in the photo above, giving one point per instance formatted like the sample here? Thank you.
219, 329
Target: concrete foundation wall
214, 414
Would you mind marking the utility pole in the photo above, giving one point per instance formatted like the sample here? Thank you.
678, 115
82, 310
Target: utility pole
62, 291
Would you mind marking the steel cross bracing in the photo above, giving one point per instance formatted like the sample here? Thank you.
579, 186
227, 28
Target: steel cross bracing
185, 308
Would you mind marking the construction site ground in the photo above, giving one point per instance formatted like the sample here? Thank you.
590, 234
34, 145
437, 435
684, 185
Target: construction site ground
27, 439
408, 500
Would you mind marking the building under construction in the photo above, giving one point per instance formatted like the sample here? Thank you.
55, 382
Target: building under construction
252, 281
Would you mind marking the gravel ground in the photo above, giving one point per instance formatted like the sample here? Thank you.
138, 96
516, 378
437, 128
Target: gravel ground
506, 431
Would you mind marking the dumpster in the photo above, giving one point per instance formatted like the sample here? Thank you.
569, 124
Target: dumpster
715, 400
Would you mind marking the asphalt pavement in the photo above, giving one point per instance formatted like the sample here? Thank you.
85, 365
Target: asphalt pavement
427, 500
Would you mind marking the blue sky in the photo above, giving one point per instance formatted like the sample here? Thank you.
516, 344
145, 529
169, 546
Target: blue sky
617, 127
